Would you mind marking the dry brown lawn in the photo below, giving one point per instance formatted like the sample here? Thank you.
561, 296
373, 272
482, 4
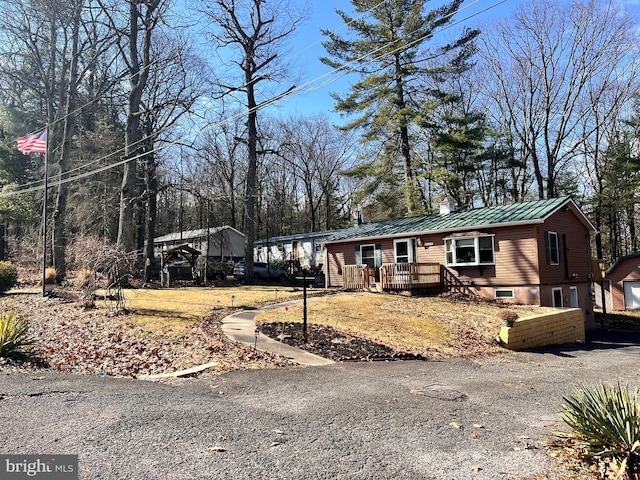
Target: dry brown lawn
430, 326
174, 311
164, 330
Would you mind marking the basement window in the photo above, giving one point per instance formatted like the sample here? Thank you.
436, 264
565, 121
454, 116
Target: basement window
505, 293
469, 250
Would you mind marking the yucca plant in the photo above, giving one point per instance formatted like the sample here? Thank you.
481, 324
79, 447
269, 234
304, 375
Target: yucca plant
606, 420
14, 334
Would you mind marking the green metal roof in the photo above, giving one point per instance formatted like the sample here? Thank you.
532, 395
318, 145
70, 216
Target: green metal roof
504, 215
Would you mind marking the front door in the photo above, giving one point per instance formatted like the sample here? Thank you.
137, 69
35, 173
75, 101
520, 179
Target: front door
574, 297
405, 251
371, 256
405, 254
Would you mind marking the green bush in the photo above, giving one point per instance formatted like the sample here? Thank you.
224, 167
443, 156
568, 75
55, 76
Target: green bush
606, 421
14, 334
8, 276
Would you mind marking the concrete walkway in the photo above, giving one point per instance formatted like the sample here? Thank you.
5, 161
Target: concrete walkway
241, 326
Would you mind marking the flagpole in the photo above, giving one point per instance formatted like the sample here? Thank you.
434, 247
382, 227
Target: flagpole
44, 215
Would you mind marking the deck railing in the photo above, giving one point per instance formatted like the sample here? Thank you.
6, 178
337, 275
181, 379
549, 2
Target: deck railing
409, 276
358, 277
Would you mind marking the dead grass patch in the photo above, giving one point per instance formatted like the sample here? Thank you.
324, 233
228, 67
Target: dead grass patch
434, 327
174, 311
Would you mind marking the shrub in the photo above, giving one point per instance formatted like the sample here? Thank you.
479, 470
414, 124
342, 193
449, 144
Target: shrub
50, 275
14, 334
508, 315
606, 421
8, 276
85, 276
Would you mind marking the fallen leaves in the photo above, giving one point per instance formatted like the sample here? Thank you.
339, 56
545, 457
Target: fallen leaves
95, 342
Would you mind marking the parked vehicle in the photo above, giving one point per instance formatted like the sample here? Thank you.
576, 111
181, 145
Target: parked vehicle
262, 272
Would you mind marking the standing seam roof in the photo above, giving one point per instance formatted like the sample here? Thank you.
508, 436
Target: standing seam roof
525, 212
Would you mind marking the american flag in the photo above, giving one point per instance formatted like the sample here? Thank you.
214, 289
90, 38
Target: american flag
33, 143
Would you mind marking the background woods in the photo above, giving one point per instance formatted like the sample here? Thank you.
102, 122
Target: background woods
171, 115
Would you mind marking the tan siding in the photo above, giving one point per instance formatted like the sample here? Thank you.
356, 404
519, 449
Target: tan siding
387, 250
516, 257
574, 248
575, 262
617, 292
345, 254
431, 253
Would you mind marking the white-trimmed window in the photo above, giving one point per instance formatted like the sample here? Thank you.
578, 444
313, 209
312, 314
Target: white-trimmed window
369, 255
504, 293
471, 250
556, 293
553, 248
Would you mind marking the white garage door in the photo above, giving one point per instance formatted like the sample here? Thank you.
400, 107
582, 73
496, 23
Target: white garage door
631, 294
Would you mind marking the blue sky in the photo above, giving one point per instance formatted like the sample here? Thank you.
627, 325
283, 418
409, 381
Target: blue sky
307, 49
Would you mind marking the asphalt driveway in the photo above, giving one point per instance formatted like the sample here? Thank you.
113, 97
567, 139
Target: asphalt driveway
453, 419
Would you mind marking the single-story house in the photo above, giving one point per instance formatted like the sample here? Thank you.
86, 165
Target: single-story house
621, 284
303, 250
534, 252
219, 243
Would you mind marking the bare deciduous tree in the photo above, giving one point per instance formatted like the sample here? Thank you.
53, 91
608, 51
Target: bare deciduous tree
316, 152
143, 18
255, 31
551, 64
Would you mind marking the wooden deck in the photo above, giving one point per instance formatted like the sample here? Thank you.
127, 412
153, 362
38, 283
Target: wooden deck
393, 276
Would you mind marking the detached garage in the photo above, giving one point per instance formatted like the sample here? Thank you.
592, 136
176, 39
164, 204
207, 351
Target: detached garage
622, 283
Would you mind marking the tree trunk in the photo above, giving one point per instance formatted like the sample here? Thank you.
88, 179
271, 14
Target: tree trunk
151, 211
410, 187
250, 202
138, 80
59, 216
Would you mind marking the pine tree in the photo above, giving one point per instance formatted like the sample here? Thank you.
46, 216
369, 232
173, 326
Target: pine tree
387, 48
